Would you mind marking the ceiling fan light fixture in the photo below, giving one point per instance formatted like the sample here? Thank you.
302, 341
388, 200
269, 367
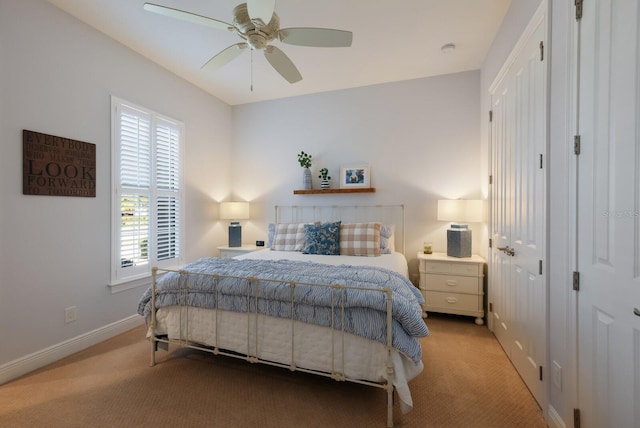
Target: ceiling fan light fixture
448, 48
257, 24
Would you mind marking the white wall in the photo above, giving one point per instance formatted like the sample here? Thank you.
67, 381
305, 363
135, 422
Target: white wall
419, 137
56, 77
561, 337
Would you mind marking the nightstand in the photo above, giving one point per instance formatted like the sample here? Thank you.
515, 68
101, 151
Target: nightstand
227, 252
452, 285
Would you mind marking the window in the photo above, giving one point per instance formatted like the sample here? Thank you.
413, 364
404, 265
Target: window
146, 191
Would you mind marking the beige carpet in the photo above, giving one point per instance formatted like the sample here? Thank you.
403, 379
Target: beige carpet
467, 382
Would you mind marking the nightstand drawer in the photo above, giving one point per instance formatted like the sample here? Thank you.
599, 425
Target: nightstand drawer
470, 269
451, 301
452, 284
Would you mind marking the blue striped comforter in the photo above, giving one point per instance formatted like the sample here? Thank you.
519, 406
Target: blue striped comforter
365, 311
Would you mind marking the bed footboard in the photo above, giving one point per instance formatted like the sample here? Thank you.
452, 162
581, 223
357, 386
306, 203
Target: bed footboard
251, 354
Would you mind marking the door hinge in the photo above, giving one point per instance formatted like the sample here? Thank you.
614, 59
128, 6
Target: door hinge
541, 161
540, 267
578, 4
540, 373
490, 242
491, 179
576, 144
490, 115
576, 281
541, 50
576, 418
490, 307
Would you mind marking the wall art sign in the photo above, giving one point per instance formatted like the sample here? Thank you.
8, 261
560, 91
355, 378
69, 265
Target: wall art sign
57, 166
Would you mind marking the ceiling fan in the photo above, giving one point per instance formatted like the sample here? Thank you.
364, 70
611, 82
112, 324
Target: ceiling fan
257, 23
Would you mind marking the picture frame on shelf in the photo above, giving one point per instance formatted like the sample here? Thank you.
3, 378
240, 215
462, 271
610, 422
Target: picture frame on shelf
355, 176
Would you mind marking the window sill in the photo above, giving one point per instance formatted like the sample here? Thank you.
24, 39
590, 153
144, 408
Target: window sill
128, 284
144, 279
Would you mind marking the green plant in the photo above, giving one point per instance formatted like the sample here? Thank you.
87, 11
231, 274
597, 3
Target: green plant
324, 174
304, 160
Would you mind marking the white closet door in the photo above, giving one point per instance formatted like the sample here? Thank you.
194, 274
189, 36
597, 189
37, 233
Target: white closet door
518, 222
500, 277
609, 215
528, 215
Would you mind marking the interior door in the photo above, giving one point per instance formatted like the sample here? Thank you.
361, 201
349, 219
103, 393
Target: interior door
528, 214
518, 221
609, 215
501, 292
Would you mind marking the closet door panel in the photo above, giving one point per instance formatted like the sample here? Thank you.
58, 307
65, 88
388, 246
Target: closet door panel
518, 201
503, 133
609, 215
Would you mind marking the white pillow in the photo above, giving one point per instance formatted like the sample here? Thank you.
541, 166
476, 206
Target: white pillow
387, 239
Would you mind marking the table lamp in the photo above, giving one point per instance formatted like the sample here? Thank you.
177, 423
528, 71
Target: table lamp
234, 211
460, 212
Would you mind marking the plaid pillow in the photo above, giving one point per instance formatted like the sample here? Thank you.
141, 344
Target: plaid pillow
360, 239
288, 237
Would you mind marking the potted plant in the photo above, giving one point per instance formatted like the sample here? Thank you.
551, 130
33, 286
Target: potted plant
324, 178
304, 160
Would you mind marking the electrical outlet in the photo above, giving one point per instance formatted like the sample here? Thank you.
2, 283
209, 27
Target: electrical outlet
70, 314
556, 375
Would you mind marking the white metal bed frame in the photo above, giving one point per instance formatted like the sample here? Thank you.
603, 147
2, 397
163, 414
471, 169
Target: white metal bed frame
289, 214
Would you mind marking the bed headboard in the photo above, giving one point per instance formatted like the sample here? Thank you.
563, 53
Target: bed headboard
386, 214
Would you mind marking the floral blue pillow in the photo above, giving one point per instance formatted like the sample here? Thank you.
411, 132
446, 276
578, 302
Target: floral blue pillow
322, 238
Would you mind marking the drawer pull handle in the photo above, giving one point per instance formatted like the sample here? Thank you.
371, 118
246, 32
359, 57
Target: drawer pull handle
452, 300
452, 282
636, 311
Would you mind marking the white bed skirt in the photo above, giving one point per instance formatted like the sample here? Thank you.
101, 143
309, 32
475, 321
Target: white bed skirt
314, 347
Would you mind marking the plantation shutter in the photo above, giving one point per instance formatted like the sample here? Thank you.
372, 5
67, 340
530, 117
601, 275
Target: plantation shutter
135, 186
168, 188
147, 193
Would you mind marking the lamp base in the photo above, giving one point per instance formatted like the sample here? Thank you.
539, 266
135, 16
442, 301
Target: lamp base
459, 242
235, 234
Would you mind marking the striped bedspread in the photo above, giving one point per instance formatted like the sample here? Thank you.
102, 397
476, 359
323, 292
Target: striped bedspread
365, 310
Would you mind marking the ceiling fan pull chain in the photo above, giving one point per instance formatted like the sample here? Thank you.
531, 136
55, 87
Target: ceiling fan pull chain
252, 70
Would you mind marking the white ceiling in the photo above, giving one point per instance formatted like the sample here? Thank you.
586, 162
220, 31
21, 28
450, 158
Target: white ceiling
393, 40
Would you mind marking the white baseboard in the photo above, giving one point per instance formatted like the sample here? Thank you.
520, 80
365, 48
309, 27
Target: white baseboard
554, 420
38, 359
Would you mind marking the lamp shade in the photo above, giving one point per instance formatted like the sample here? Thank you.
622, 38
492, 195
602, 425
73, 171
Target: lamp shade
234, 210
460, 210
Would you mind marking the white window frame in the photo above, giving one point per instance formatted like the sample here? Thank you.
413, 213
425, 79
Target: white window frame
134, 275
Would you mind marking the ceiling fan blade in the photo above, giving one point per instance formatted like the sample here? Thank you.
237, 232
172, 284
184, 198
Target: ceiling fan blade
282, 64
225, 56
187, 16
316, 37
261, 11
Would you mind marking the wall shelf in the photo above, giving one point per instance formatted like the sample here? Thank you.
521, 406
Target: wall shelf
326, 191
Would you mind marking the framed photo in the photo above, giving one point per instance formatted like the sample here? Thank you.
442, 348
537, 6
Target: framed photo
356, 175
